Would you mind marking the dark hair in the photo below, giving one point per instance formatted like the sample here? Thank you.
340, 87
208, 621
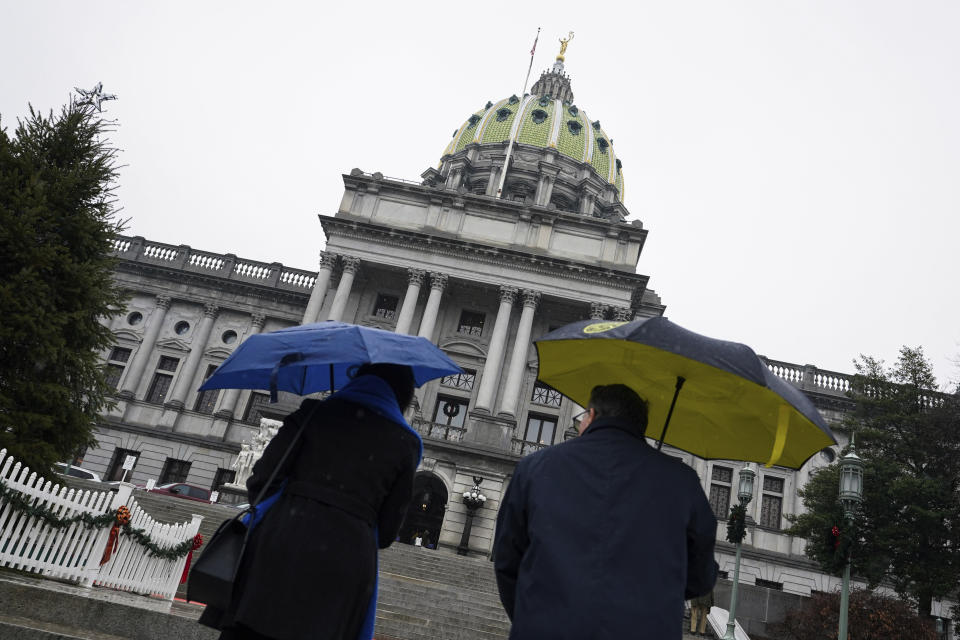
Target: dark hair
619, 401
398, 376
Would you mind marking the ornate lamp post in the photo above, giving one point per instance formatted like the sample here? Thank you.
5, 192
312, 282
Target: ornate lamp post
736, 531
851, 495
473, 500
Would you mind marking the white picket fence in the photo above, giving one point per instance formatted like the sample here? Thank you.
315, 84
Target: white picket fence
73, 553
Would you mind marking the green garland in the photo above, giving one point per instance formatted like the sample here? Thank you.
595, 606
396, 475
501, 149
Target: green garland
737, 524
23, 505
838, 545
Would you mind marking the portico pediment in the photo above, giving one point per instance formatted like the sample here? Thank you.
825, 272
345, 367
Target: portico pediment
173, 344
126, 335
464, 347
217, 352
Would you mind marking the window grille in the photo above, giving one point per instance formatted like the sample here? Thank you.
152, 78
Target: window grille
207, 400
463, 380
771, 502
116, 363
386, 306
546, 395
721, 479
471, 323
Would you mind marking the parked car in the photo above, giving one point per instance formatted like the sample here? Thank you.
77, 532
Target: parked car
77, 472
181, 490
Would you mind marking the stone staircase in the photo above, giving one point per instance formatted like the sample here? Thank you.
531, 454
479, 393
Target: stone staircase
435, 595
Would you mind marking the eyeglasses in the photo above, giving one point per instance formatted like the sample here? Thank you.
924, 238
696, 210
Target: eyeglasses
581, 415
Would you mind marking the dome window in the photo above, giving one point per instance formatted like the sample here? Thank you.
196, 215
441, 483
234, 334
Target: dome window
488, 105
503, 113
572, 109
603, 144
574, 127
514, 99
538, 116
619, 165
544, 100
472, 121
596, 125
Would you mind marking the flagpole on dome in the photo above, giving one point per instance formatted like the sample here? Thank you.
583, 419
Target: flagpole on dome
506, 161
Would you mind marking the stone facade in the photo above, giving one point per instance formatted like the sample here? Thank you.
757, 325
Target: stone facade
446, 259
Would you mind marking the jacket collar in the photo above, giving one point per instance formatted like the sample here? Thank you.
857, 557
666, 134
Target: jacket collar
614, 423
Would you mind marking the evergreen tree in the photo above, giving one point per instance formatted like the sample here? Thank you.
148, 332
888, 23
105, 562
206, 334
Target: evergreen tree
908, 435
57, 222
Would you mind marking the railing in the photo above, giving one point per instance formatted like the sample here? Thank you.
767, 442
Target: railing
228, 266
523, 447
809, 378
438, 431
73, 552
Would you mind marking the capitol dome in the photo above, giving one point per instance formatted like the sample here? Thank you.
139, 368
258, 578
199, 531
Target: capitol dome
546, 118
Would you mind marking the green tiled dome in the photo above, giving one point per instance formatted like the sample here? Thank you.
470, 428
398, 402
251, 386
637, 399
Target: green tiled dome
545, 122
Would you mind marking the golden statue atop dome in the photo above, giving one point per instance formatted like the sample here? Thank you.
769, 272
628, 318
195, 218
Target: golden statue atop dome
563, 46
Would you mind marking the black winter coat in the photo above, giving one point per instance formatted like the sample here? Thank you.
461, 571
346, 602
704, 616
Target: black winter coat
603, 537
310, 567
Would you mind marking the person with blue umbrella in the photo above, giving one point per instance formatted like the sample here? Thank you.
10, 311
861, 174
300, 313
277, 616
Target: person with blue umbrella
339, 474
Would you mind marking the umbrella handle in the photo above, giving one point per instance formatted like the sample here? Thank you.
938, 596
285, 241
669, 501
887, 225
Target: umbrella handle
284, 361
676, 392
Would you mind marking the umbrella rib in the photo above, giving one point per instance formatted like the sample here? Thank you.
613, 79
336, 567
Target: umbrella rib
676, 392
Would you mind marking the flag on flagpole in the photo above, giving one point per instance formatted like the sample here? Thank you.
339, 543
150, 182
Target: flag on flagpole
535, 42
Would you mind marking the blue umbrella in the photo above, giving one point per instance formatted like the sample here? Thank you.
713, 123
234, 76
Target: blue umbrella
319, 357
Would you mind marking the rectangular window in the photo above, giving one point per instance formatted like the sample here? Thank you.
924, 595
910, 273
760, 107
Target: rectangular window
546, 395
115, 470
471, 323
771, 503
540, 429
450, 411
160, 384
386, 306
207, 400
720, 481
461, 380
255, 408
222, 477
770, 584
174, 471
116, 363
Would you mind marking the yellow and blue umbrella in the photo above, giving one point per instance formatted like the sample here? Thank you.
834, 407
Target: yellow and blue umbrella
719, 400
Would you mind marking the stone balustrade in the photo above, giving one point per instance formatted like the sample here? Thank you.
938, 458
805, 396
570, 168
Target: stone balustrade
228, 266
438, 431
809, 378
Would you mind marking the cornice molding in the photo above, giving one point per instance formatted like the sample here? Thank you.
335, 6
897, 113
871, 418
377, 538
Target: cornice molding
480, 253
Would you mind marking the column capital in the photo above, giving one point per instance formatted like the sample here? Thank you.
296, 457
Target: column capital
622, 314
531, 298
211, 311
598, 311
416, 276
350, 264
257, 320
163, 302
328, 260
438, 280
508, 294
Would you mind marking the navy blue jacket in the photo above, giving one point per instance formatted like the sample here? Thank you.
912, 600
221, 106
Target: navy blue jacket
603, 537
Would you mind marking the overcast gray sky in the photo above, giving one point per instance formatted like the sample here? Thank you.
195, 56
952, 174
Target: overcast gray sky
796, 163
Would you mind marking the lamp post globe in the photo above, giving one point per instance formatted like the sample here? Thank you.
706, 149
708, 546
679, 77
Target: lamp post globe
850, 496
745, 495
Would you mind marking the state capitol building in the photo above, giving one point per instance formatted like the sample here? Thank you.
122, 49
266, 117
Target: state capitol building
479, 273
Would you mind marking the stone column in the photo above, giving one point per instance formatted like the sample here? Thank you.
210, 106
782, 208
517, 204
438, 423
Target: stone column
350, 266
414, 282
598, 311
493, 365
132, 381
189, 369
230, 396
518, 360
327, 262
429, 322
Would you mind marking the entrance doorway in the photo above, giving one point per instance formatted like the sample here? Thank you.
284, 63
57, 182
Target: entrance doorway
425, 514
